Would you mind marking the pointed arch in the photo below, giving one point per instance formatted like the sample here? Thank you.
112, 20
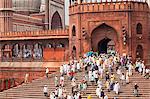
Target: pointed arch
139, 28
73, 30
101, 36
56, 22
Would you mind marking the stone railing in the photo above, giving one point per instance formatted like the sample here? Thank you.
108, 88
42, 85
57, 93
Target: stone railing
58, 32
103, 1
108, 6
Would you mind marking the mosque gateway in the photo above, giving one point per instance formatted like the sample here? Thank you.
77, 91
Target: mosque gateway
33, 34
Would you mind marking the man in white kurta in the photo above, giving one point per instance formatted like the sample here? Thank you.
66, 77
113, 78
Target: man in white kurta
127, 77
52, 95
26, 78
119, 71
140, 67
122, 78
61, 69
143, 68
100, 84
117, 87
98, 90
60, 92
69, 96
105, 97
90, 75
130, 69
101, 71
62, 81
78, 66
65, 68
56, 81
68, 69
73, 67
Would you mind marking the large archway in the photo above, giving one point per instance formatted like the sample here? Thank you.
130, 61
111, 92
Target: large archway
56, 22
104, 38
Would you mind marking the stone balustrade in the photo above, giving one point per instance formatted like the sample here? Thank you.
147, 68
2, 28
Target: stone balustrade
58, 32
72, 2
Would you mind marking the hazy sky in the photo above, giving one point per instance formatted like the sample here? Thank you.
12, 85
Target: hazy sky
66, 12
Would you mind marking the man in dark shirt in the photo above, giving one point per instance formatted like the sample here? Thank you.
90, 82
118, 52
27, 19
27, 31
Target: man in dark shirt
107, 76
102, 93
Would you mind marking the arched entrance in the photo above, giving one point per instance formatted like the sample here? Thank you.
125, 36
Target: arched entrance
56, 22
102, 45
104, 39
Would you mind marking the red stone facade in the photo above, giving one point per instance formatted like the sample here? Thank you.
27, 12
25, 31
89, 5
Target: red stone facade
126, 23
22, 33
27, 35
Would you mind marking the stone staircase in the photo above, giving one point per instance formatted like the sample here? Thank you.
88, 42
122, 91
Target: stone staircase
126, 90
34, 90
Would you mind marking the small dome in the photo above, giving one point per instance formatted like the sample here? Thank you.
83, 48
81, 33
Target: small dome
30, 6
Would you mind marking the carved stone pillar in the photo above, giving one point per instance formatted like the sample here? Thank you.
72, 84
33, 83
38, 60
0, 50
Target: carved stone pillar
6, 14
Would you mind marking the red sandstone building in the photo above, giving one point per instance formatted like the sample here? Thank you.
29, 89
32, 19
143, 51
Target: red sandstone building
124, 25
28, 34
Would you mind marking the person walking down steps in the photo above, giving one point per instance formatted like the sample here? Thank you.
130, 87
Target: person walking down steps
47, 71
136, 90
45, 90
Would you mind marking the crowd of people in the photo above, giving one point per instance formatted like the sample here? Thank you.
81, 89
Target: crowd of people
60, 91
140, 67
98, 70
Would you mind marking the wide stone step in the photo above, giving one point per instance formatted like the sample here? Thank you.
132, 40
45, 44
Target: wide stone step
34, 90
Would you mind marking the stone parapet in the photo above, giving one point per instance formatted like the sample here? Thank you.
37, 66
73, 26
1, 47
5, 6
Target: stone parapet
108, 6
32, 34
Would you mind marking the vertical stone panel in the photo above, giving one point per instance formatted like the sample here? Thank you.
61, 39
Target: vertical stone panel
6, 13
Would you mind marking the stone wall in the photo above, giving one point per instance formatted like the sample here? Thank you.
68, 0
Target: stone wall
14, 76
26, 23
